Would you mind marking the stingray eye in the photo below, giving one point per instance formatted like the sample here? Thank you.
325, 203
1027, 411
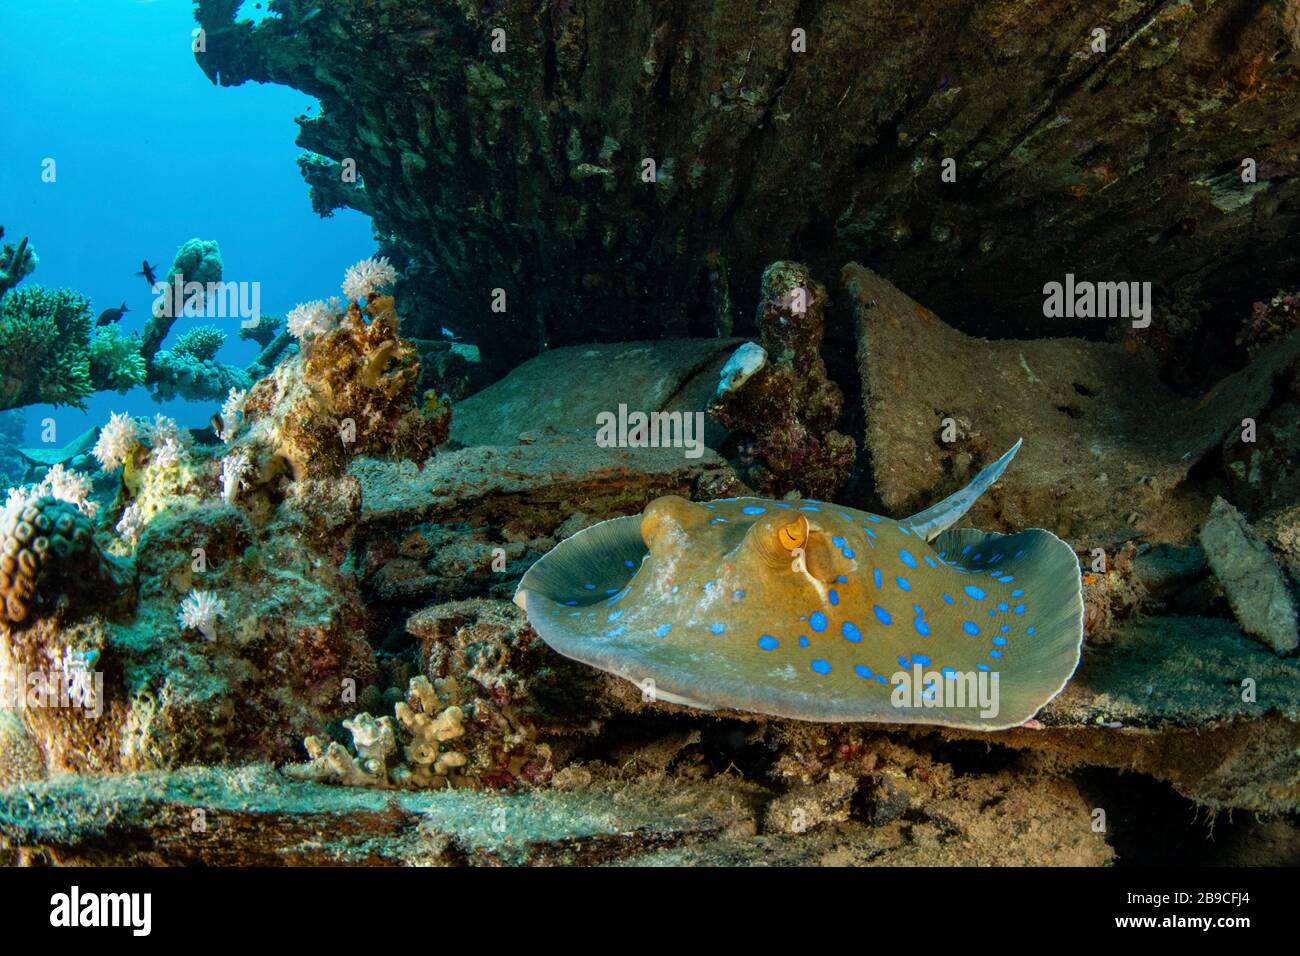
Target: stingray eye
793, 535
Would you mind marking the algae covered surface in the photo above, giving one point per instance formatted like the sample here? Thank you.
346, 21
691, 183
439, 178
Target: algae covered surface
684, 338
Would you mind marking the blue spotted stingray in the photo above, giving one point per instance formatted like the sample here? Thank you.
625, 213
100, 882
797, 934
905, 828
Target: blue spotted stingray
818, 612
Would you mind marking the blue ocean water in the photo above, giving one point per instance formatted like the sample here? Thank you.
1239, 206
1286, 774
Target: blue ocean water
148, 154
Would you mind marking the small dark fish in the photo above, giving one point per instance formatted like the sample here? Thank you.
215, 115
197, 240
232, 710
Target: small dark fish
112, 315
218, 425
147, 271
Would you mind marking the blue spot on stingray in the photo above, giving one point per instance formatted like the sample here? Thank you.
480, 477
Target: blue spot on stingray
768, 643
903, 528
977, 593
907, 557
875, 518
863, 671
614, 615
930, 561
838, 541
803, 640
948, 672
993, 612
999, 641
970, 627
983, 667
1004, 629
834, 597
870, 534
965, 549
921, 627
589, 587
717, 521
662, 630
611, 590
809, 508
1006, 579
817, 622
876, 576
1018, 592
752, 510
1031, 630
976, 555
676, 588
779, 504
903, 583
570, 603
615, 632
849, 553
841, 580
1003, 606
995, 653
882, 615
820, 666
904, 662
628, 563
850, 632
947, 598
1020, 609
737, 594
922, 660
717, 627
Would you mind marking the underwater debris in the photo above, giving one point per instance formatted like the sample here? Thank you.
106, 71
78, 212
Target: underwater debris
563, 390
789, 175
1095, 455
1251, 578
782, 400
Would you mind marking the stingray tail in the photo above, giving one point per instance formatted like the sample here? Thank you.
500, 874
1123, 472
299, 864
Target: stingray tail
936, 519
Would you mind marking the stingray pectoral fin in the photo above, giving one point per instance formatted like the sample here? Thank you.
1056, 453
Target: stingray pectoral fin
934, 520
1043, 590
584, 567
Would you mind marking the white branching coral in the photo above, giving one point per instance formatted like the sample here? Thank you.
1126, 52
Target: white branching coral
233, 470
163, 429
131, 525
117, 440
70, 486
232, 414
167, 455
310, 319
199, 611
367, 277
